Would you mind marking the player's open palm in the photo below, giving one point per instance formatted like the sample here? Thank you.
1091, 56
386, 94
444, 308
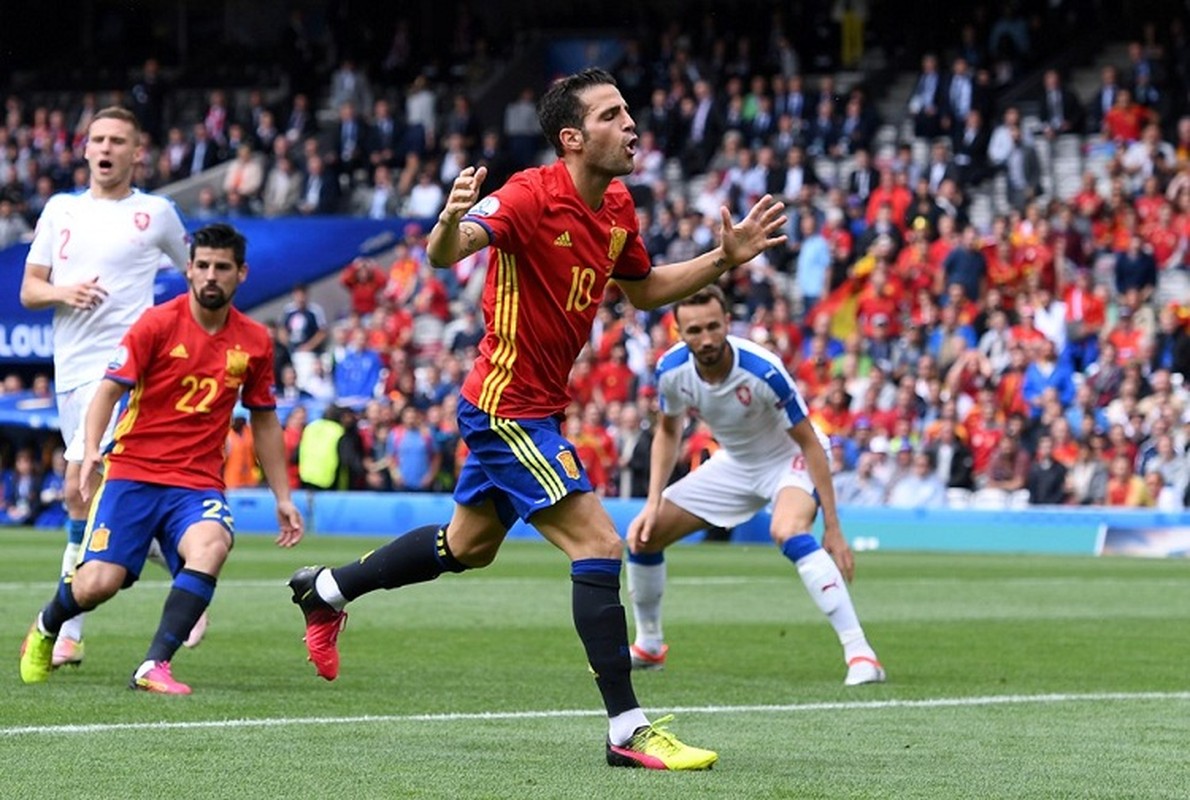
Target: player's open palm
640, 530
755, 233
834, 544
290, 520
464, 193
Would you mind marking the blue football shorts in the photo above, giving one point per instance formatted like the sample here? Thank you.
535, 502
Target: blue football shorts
523, 465
127, 516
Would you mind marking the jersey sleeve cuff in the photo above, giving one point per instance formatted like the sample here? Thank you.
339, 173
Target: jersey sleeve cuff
482, 224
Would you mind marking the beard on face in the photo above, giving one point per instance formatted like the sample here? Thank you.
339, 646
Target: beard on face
212, 298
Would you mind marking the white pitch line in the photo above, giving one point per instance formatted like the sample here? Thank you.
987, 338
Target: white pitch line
874, 705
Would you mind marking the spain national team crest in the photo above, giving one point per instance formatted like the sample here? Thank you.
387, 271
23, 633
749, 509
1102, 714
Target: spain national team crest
616, 245
569, 464
744, 394
97, 542
237, 366
141, 220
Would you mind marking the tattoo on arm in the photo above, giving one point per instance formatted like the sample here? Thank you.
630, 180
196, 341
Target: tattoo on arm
470, 245
719, 263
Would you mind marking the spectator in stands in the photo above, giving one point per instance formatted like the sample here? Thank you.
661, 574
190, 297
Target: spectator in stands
921, 488
1062, 113
350, 84
320, 189
1046, 482
925, 104
860, 487
1123, 487
282, 188
1123, 123
347, 152
239, 465
966, 265
20, 490
245, 176
1164, 497
306, 327
415, 458
203, 153
13, 226
426, 198
358, 373
421, 113
300, 123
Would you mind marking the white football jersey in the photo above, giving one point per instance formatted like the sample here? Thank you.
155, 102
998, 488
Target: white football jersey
750, 412
122, 243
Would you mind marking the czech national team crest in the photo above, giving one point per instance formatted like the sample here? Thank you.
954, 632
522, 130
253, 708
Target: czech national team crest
744, 394
237, 366
141, 220
569, 464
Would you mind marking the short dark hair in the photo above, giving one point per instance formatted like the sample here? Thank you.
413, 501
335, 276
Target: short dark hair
220, 236
560, 107
707, 294
120, 113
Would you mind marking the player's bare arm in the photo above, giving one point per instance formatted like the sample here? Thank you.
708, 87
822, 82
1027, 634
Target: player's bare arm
452, 239
755, 233
662, 457
818, 465
37, 292
270, 451
98, 414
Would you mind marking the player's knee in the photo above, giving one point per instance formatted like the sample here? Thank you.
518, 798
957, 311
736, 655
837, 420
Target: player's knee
94, 586
783, 533
475, 554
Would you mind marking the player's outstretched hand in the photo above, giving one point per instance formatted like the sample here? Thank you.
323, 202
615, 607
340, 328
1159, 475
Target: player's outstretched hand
290, 520
834, 543
464, 193
755, 233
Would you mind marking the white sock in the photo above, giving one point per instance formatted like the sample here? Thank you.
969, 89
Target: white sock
73, 627
646, 584
622, 726
827, 588
70, 557
143, 668
327, 588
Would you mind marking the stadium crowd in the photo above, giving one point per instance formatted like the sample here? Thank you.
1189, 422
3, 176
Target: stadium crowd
1040, 358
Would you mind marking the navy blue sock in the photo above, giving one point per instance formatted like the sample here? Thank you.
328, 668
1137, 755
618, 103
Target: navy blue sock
191, 594
420, 555
61, 608
601, 624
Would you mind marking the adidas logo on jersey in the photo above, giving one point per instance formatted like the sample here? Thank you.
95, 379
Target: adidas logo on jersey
179, 351
563, 240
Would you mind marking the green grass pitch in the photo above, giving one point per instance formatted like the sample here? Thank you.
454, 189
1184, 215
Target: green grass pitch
1009, 677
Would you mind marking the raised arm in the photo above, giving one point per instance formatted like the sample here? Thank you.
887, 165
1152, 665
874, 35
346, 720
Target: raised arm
758, 231
451, 239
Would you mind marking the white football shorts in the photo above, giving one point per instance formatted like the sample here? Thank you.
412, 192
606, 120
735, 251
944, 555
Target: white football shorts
727, 493
72, 418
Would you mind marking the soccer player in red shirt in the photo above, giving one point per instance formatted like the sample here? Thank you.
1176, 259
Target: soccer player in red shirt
558, 234
187, 362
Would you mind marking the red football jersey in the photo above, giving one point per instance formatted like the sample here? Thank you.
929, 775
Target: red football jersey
185, 383
551, 258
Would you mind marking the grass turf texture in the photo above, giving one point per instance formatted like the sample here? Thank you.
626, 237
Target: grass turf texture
1068, 679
